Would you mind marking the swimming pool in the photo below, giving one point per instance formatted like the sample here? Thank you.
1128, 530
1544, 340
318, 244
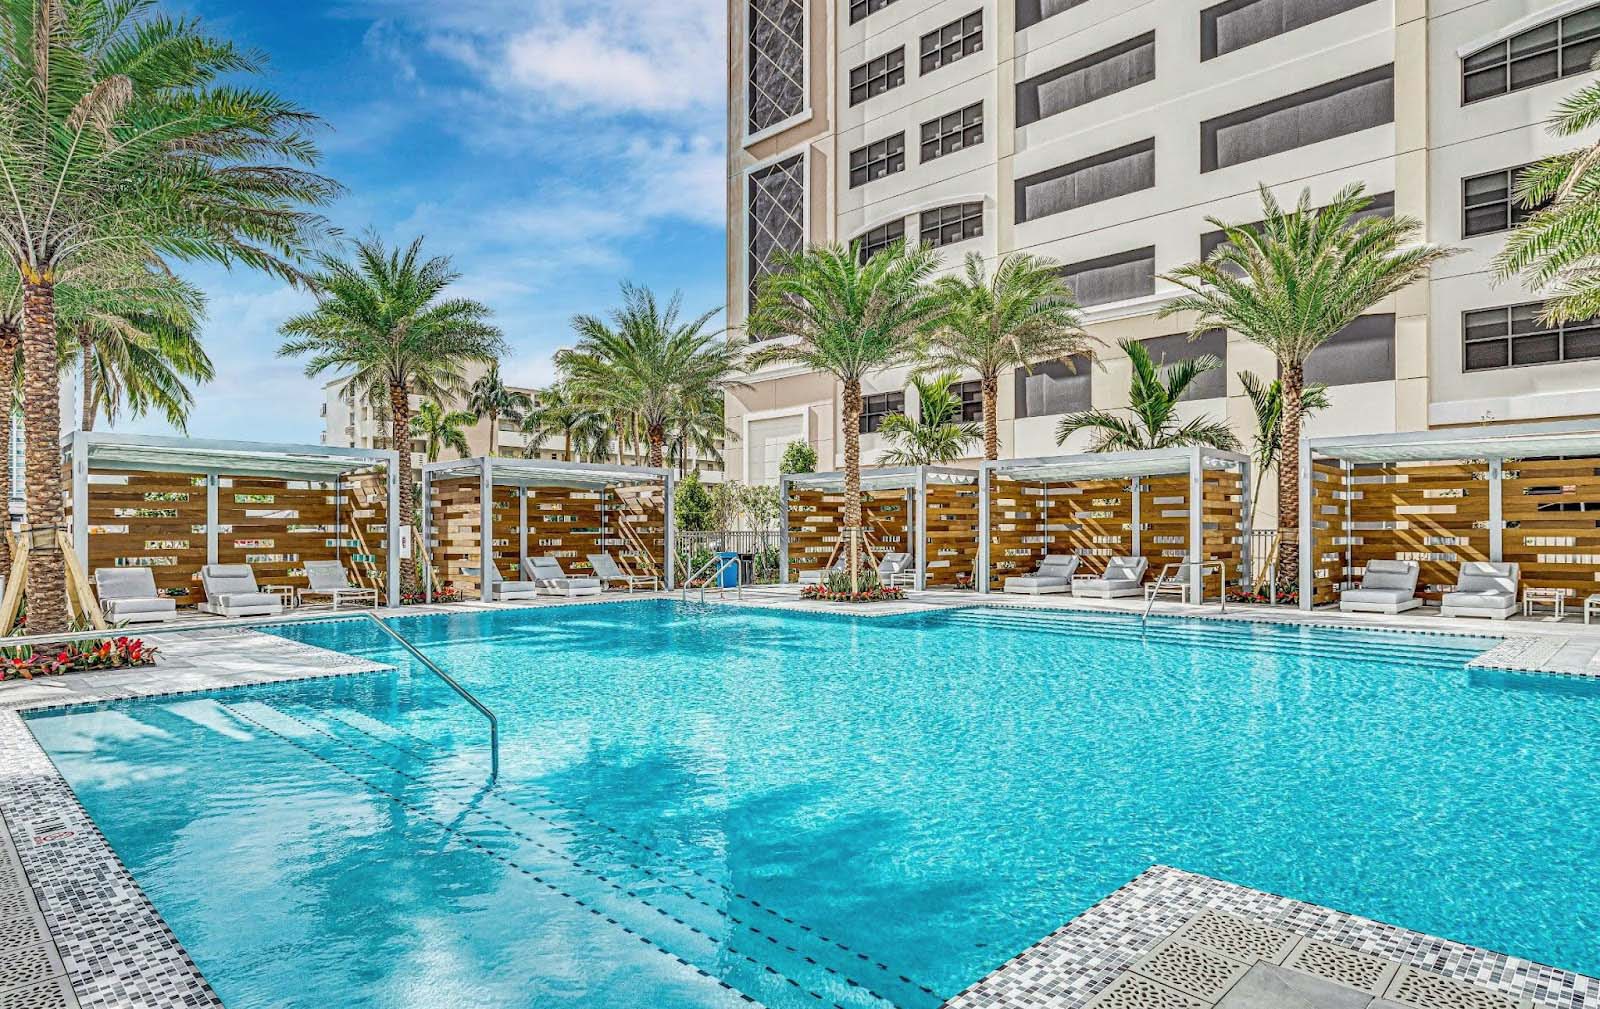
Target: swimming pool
702, 803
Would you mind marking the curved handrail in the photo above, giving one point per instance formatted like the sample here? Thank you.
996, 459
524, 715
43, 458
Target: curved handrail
463, 692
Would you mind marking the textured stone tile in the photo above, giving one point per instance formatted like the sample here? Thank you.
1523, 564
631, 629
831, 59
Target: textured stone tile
1268, 986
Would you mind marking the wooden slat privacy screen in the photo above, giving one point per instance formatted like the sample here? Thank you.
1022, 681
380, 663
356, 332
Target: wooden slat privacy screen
952, 547
1552, 513
816, 524
153, 520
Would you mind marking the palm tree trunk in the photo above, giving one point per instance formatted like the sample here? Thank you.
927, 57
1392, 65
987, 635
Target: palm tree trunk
41, 363
566, 445
494, 434
852, 477
86, 344
658, 443
400, 435
8, 361
991, 420
1294, 380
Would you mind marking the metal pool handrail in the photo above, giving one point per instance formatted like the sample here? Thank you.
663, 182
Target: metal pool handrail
1155, 593
465, 694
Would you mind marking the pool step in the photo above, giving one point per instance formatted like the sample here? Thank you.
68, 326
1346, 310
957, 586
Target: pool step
776, 962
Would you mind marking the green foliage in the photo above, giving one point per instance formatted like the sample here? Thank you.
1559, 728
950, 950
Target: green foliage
692, 505
583, 428
838, 582
1267, 400
1152, 419
490, 399
798, 457
937, 435
440, 429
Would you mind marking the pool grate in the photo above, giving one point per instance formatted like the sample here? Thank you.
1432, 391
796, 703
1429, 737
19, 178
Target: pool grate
1422, 990
1130, 991
1343, 966
1203, 973
32, 975
1236, 937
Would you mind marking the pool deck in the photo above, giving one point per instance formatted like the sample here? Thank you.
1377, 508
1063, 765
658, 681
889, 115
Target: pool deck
81, 933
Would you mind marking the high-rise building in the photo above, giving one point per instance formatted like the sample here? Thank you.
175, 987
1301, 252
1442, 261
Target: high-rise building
1104, 134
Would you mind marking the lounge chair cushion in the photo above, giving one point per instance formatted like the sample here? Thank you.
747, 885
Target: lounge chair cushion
1391, 575
128, 607
247, 600
1479, 599
1030, 583
1377, 597
124, 583
1485, 576
223, 580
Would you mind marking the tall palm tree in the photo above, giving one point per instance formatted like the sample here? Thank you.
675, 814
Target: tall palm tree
697, 431
584, 430
490, 399
847, 319
383, 320
1152, 420
647, 363
1557, 249
120, 142
138, 344
1026, 313
441, 429
1289, 284
938, 435
1266, 399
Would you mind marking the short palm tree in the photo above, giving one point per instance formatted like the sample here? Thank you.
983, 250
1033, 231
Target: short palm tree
697, 431
584, 430
127, 135
1024, 314
490, 399
1266, 399
1152, 419
647, 363
383, 321
441, 429
840, 316
1291, 283
938, 435
1557, 249
138, 345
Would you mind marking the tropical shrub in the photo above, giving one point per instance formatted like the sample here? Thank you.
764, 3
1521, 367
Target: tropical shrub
24, 662
692, 506
799, 457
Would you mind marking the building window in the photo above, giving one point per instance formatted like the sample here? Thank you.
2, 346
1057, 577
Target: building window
1487, 205
861, 8
877, 407
777, 63
1054, 387
1527, 59
877, 160
959, 38
1031, 12
970, 396
1308, 117
949, 225
1361, 352
953, 132
1102, 177
1239, 23
874, 77
1513, 336
880, 238
1117, 277
775, 222
1167, 351
1122, 66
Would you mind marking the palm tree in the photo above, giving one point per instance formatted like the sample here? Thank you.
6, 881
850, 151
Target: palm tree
937, 435
585, 432
847, 319
441, 429
1557, 249
138, 344
1152, 421
383, 320
647, 364
119, 143
1266, 398
1024, 314
1289, 284
490, 399
697, 431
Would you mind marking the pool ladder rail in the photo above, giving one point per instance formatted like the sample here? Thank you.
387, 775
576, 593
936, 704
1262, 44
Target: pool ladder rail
1184, 567
450, 681
711, 571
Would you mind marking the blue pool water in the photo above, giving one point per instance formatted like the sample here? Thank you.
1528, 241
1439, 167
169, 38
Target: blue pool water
702, 803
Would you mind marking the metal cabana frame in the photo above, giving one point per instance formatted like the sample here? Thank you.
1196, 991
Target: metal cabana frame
920, 485
1450, 496
527, 477
1145, 474
87, 453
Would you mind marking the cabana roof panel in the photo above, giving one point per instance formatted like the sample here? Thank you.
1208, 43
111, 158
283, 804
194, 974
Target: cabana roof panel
1513, 441
547, 473
106, 450
885, 478
1109, 465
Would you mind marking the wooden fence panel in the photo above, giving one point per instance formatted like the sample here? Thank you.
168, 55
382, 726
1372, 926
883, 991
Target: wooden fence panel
151, 520
952, 526
1434, 513
1164, 521
1326, 539
1222, 518
1551, 509
816, 525
275, 526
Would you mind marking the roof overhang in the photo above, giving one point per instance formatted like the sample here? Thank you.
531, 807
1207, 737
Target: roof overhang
1510, 441
546, 473
110, 451
1113, 465
884, 478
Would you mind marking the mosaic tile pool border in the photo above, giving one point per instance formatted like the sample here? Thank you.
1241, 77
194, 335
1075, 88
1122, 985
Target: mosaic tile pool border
1070, 967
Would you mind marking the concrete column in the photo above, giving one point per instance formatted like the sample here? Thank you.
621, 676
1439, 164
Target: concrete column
485, 529
1497, 513
985, 475
212, 513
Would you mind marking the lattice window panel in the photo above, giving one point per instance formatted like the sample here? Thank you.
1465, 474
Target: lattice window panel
776, 224
776, 64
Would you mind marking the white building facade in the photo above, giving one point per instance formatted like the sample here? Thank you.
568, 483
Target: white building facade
1104, 133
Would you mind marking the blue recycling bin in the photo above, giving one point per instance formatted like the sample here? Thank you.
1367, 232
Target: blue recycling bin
727, 574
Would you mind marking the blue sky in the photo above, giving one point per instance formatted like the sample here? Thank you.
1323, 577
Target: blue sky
552, 148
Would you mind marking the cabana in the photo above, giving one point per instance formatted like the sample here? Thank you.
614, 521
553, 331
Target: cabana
1100, 505
494, 513
930, 512
1522, 493
174, 505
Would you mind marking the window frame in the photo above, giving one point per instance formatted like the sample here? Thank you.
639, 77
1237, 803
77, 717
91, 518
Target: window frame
863, 9
886, 73
1512, 209
966, 213
962, 43
876, 240
892, 155
871, 420
1510, 337
960, 133
969, 401
1558, 47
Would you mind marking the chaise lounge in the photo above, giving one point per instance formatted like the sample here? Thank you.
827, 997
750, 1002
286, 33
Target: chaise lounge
609, 572
1053, 575
502, 591
329, 580
1483, 589
896, 568
231, 591
129, 596
1123, 577
1386, 587
550, 580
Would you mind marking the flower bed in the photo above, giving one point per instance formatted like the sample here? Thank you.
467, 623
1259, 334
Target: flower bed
24, 662
439, 596
876, 594
1286, 597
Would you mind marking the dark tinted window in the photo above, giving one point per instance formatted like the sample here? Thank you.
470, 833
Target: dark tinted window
1361, 352
1106, 72
1527, 59
880, 238
1102, 177
1239, 23
1170, 350
875, 408
1053, 387
970, 395
1308, 117
949, 225
861, 8
1118, 277
1513, 336
1031, 12
956, 40
874, 77
953, 132
877, 160
1487, 205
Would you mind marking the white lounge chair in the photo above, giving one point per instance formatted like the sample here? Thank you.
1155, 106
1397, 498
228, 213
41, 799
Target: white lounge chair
896, 568
606, 569
1177, 583
1483, 589
1591, 606
1123, 577
820, 575
330, 580
129, 596
1053, 575
231, 591
1386, 587
550, 580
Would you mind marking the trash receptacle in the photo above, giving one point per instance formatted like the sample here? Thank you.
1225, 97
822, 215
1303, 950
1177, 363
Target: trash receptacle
727, 573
